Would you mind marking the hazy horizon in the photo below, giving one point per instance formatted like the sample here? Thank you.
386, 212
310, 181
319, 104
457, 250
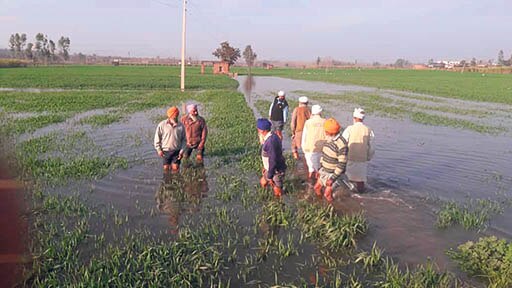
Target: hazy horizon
285, 30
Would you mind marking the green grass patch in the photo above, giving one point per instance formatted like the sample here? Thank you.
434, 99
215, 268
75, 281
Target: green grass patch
109, 77
102, 120
331, 231
58, 170
490, 259
472, 215
30, 124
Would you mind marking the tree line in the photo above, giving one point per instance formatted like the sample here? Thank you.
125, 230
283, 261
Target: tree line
43, 49
230, 54
502, 61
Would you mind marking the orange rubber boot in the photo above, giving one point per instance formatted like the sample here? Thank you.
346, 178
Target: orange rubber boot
295, 155
263, 182
175, 167
278, 191
199, 158
328, 194
318, 188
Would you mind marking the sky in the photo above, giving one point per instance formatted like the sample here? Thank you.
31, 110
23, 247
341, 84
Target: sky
288, 30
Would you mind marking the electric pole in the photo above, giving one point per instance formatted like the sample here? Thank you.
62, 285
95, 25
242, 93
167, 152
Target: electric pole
183, 48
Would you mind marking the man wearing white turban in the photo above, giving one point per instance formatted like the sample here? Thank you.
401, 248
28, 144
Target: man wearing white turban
196, 131
361, 149
313, 139
299, 117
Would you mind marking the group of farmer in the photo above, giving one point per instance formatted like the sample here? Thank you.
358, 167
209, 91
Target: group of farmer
176, 139
334, 156
329, 151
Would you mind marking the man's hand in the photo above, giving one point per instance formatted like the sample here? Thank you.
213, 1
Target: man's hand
160, 153
180, 156
293, 136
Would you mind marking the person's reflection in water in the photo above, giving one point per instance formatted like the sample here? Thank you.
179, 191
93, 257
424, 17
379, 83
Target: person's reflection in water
181, 193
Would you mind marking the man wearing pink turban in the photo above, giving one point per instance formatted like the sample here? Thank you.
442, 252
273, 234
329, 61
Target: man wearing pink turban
196, 131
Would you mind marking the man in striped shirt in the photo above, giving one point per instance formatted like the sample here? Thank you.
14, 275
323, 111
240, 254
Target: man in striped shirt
333, 160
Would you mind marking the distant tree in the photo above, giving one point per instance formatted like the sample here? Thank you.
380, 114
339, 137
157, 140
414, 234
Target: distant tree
82, 58
51, 50
430, 61
17, 44
12, 44
463, 63
318, 60
227, 53
473, 62
376, 64
501, 57
249, 57
42, 47
401, 63
63, 45
28, 51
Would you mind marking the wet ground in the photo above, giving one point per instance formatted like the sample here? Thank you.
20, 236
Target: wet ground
414, 166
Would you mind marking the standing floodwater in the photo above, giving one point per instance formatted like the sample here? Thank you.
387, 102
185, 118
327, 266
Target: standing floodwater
413, 162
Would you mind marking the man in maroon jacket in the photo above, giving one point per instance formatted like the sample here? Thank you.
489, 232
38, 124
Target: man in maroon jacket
196, 131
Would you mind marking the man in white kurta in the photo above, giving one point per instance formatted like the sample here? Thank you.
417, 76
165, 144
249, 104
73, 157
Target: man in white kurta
313, 139
361, 149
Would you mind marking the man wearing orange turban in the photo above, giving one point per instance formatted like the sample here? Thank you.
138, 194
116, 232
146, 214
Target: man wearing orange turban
170, 140
333, 160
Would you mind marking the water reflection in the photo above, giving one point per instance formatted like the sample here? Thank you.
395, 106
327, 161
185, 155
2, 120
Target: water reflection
181, 193
249, 84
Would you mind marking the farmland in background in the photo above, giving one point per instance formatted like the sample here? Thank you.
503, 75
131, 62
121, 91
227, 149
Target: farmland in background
467, 86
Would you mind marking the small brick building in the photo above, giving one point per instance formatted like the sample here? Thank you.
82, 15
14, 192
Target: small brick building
218, 67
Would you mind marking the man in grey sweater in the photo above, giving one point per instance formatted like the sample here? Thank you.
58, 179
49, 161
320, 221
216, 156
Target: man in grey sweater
170, 140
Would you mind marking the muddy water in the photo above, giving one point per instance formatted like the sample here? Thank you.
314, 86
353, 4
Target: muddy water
414, 163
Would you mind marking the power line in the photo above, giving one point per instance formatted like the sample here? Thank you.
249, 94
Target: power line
165, 3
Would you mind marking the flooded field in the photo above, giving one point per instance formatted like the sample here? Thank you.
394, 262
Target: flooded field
417, 167
105, 214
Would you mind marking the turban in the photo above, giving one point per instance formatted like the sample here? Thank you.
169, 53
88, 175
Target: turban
191, 107
359, 113
316, 109
332, 126
263, 124
303, 99
173, 112
281, 93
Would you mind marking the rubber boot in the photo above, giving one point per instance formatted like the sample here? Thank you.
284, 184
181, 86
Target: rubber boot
175, 167
360, 187
328, 194
279, 134
166, 167
263, 182
295, 155
199, 158
318, 188
278, 191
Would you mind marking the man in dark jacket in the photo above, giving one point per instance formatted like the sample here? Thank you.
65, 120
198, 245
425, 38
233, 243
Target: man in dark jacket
196, 131
274, 164
278, 113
